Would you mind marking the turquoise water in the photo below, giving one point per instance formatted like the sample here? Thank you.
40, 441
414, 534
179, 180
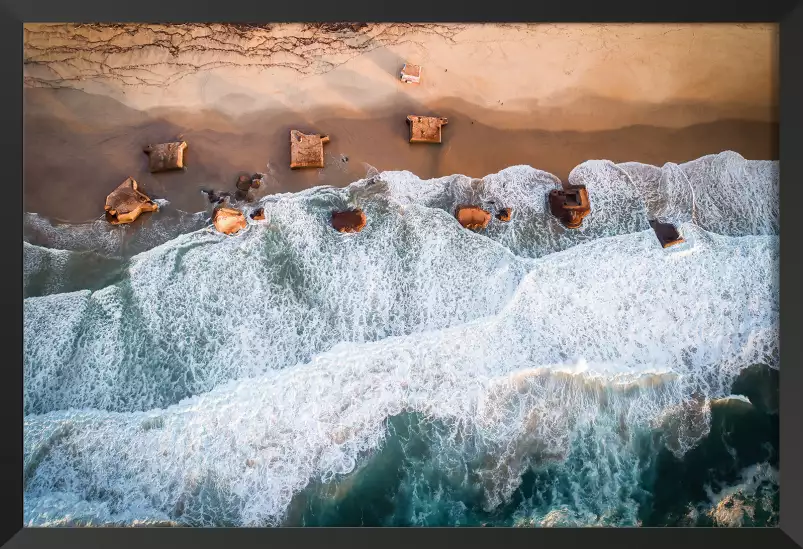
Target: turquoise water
602, 481
415, 373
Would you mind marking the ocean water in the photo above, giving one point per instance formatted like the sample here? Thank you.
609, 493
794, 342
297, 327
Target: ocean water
415, 373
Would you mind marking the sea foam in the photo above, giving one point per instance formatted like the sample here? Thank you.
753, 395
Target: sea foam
222, 374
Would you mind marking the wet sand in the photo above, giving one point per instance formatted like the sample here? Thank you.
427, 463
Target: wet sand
85, 136
69, 169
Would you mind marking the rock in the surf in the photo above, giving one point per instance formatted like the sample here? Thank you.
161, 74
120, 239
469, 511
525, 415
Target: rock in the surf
216, 197
349, 221
229, 220
258, 214
256, 180
126, 203
472, 217
504, 214
244, 183
166, 156
570, 205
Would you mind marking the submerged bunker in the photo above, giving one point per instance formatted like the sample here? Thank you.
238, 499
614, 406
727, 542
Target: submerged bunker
228, 220
570, 205
349, 221
126, 203
504, 214
668, 235
472, 217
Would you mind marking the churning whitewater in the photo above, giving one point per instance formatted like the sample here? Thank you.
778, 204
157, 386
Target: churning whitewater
290, 374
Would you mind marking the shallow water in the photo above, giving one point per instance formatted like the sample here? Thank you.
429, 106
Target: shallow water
415, 373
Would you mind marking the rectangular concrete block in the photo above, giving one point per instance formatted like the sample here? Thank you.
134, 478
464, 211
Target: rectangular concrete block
411, 74
306, 151
425, 129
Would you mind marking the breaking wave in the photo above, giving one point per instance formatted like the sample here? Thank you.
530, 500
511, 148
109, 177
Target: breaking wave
175, 375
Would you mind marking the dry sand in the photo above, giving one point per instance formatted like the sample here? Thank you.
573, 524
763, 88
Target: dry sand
550, 96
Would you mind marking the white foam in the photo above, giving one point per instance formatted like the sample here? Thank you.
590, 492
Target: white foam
613, 301
101, 237
299, 342
735, 398
42, 263
722, 193
533, 231
50, 271
204, 308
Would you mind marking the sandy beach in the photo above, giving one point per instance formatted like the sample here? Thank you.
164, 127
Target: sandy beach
549, 96
407, 351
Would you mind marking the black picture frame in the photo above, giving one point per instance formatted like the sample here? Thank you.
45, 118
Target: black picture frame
788, 13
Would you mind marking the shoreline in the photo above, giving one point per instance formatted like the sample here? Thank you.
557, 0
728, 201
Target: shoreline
94, 157
424, 374
543, 95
